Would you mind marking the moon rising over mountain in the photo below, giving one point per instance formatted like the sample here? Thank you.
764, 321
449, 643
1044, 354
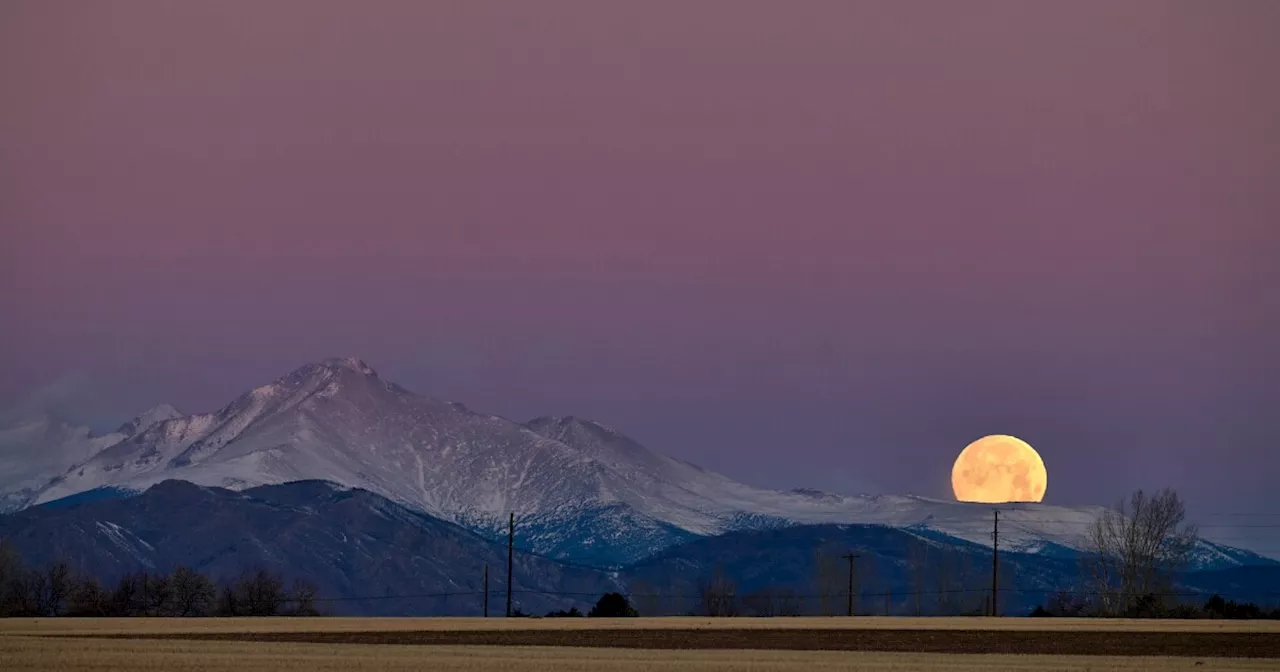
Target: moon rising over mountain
997, 469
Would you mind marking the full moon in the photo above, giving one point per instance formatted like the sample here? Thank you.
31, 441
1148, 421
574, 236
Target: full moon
997, 469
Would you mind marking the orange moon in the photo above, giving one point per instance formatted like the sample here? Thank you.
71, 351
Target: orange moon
997, 469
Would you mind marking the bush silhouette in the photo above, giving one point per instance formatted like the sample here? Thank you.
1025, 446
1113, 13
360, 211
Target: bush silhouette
572, 613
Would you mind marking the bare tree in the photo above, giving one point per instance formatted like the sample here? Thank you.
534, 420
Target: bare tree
303, 598
1136, 549
717, 595
57, 586
126, 599
228, 602
193, 593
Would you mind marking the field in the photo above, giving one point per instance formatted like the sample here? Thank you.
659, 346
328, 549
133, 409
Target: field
696, 645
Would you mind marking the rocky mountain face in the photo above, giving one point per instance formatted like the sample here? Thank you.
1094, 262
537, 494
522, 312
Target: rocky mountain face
583, 492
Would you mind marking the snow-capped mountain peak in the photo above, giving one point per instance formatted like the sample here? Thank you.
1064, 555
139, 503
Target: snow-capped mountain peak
575, 484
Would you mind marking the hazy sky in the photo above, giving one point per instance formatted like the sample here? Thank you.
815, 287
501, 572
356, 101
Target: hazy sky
802, 243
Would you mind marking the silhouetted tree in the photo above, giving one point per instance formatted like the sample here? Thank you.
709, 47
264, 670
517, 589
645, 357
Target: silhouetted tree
1216, 607
157, 594
260, 593
228, 603
10, 569
126, 599
193, 593
23, 593
612, 605
88, 599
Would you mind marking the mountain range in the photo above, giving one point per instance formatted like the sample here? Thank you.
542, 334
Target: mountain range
371, 556
582, 492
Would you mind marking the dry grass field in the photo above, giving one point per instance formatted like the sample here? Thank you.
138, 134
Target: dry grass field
67, 626
695, 645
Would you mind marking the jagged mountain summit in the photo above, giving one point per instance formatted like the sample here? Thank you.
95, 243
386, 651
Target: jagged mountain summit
581, 490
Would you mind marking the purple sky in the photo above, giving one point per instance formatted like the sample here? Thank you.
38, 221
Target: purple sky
807, 243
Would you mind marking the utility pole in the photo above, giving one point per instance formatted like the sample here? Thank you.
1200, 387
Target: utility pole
511, 545
995, 566
850, 557
486, 590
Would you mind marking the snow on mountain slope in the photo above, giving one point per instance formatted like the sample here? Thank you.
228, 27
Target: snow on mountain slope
581, 490
39, 447
338, 421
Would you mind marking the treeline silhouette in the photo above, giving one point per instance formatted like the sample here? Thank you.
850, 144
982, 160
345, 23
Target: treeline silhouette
1152, 605
57, 590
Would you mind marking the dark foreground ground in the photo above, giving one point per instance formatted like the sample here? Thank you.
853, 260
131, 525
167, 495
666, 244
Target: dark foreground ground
1097, 643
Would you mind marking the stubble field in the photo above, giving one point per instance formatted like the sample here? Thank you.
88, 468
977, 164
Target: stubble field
686, 644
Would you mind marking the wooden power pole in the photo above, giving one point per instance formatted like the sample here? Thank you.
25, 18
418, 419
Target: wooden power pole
995, 566
511, 545
850, 557
486, 590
